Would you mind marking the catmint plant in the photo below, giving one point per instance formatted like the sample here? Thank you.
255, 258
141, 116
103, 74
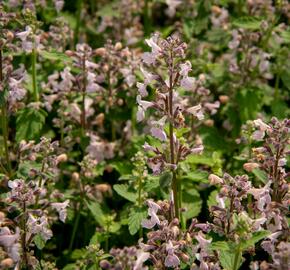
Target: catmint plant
165, 70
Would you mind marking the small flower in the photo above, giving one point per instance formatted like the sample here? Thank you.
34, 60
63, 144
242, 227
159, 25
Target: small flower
152, 212
141, 258
158, 133
214, 179
61, 209
196, 111
171, 259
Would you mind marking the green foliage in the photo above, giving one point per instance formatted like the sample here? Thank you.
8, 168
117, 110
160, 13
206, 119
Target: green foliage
29, 124
123, 190
134, 221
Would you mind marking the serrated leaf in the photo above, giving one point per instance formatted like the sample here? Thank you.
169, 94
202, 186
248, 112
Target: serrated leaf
256, 237
39, 241
135, 218
220, 245
261, 175
123, 190
97, 212
151, 183
247, 22
56, 56
196, 176
286, 36
29, 124
211, 201
192, 203
165, 180
227, 259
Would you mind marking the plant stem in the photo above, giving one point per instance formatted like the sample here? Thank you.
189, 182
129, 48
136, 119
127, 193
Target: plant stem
83, 115
34, 79
174, 185
140, 202
4, 123
78, 21
23, 240
237, 259
276, 94
147, 23
75, 227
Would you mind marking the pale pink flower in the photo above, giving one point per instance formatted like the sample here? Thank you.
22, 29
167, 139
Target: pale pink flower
185, 68
188, 83
158, 133
152, 212
171, 259
141, 258
61, 209
196, 111
142, 89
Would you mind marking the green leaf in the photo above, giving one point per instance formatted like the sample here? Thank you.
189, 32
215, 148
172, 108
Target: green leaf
256, 237
123, 190
165, 181
248, 22
250, 102
191, 201
39, 241
220, 245
286, 36
29, 124
135, 218
151, 183
55, 56
261, 175
228, 258
211, 201
97, 212
196, 176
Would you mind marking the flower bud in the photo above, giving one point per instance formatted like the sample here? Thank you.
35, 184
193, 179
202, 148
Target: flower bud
249, 167
9, 35
209, 122
184, 257
6, 263
2, 216
118, 46
214, 179
61, 158
223, 99
104, 264
103, 187
75, 177
100, 51
69, 53
175, 231
100, 119
120, 102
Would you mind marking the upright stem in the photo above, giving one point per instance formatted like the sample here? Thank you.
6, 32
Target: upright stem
4, 122
75, 227
34, 78
174, 184
83, 115
147, 23
23, 240
140, 202
78, 22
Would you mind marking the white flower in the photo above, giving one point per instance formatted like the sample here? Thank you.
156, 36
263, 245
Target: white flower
202, 241
158, 133
61, 209
171, 259
152, 43
185, 68
24, 35
261, 125
196, 111
39, 226
141, 258
152, 212
188, 83
172, 5
142, 89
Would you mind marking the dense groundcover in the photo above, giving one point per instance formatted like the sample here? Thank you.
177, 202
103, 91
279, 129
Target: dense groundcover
149, 134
